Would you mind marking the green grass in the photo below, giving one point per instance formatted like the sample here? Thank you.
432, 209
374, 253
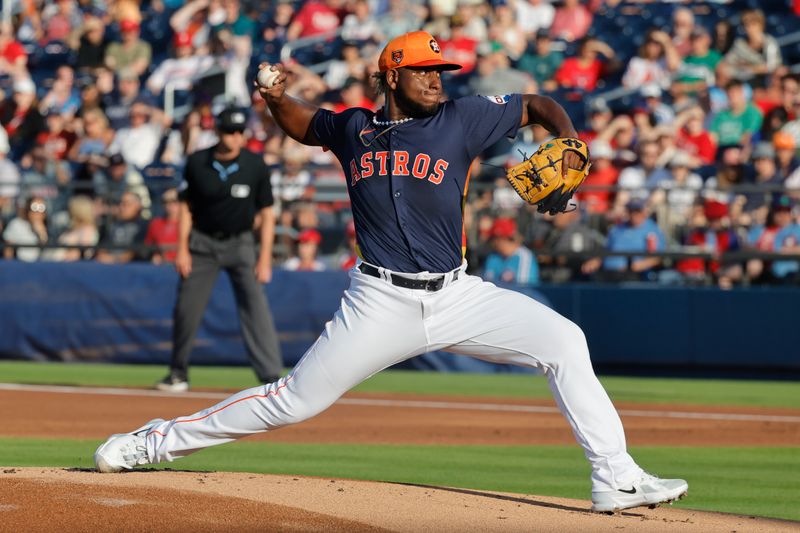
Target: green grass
752, 481
621, 389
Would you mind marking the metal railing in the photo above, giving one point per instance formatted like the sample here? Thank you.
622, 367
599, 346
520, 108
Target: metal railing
306, 42
736, 256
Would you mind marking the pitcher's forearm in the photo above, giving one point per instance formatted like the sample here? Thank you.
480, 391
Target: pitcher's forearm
547, 112
294, 116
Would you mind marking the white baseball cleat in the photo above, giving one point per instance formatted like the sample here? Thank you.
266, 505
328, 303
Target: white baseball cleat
124, 450
647, 490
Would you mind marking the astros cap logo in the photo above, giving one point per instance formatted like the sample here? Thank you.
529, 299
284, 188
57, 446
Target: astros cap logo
415, 49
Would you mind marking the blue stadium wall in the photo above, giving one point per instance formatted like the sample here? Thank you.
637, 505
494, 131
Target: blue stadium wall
94, 312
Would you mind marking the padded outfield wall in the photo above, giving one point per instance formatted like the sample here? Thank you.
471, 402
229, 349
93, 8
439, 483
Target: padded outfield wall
94, 312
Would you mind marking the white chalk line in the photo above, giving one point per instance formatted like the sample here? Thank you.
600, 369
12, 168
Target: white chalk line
413, 404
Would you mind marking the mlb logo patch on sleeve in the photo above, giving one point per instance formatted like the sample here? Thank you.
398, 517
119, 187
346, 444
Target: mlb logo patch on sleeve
499, 99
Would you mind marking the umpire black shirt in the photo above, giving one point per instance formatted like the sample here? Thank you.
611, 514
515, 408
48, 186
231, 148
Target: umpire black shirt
224, 196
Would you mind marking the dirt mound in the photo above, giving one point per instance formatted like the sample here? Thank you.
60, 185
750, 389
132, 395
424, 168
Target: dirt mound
37, 499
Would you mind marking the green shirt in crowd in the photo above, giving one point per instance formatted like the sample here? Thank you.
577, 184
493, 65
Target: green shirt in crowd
125, 57
243, 26
542, 68
729, 128
699, 68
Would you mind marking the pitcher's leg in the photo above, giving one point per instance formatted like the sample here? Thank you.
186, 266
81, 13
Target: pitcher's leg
371, 331
519, 330
300, 395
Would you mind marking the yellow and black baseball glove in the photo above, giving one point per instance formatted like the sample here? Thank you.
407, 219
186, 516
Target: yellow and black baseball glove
542, 180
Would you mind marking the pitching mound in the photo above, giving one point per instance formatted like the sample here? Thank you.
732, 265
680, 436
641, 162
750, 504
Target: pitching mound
36, 499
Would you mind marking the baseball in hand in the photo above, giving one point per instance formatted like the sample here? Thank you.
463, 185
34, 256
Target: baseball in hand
267, 76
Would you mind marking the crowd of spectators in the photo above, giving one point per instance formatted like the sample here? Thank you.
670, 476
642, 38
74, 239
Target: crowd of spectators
693, 124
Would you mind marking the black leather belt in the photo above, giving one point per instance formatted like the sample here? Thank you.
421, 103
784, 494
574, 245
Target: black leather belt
430, 285
221, 235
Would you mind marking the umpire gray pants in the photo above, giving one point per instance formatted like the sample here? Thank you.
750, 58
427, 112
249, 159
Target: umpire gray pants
237, 256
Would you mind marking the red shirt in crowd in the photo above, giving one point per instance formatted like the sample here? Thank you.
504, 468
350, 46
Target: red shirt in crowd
316, 18
463, 51
571, 24
163, 233
574, 74
700, 145
587, 136
765, 106
598, 202
721, 240
56, 144
766, 241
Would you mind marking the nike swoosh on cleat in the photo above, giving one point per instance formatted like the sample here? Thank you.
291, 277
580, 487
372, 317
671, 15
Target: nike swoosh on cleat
629, 491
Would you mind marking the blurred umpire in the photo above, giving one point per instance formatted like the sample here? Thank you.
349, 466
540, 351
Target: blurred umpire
225, 188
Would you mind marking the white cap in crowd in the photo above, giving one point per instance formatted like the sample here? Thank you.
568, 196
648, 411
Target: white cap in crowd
24, 86
650, 90
600, 149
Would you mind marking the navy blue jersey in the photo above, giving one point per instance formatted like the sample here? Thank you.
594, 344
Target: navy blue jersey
408, 183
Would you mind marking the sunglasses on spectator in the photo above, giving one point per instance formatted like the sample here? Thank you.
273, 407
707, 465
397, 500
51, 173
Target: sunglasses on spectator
38, 207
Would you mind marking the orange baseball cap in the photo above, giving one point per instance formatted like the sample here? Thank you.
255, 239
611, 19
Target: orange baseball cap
783, 141
415, 49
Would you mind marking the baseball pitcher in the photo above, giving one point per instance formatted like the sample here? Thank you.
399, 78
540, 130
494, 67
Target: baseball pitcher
407, 170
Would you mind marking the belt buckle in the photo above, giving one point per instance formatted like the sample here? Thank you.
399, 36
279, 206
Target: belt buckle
433, 285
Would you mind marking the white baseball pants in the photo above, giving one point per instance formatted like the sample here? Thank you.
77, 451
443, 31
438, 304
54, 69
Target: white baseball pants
379, 324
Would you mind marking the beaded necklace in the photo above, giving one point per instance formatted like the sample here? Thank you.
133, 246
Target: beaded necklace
390, 122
